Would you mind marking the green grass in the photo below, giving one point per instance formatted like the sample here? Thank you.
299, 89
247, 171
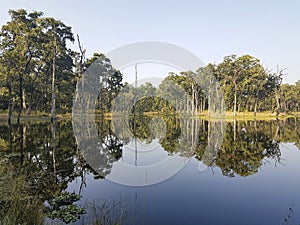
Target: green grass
260, 115
34, 116
228, 116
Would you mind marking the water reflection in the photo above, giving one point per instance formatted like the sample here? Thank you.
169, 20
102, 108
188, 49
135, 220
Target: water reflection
103, 145
244, 150
239, 148
39, 160
37, 163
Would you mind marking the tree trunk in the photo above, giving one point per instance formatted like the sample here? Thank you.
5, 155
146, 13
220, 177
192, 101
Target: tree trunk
277, 103
21, 78
10, 103
53, 116
193, 100
24, 136
187, 104
20, 127
196, 103
21, 82
235, 100
24, 100
255, 107
234, 129
209, 99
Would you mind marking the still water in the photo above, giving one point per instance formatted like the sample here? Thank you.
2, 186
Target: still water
152, 170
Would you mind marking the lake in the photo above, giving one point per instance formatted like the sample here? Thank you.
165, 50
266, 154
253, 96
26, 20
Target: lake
150, 170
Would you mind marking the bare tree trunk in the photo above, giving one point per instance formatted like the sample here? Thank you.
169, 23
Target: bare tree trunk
82, 57
278, 80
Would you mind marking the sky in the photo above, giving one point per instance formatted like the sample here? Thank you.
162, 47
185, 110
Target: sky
212, 29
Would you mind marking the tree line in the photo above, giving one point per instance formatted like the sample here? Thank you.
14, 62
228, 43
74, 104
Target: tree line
39, 72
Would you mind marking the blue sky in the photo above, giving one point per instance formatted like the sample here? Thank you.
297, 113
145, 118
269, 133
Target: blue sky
269, 30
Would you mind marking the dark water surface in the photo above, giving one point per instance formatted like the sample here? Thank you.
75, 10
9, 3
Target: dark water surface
154, 171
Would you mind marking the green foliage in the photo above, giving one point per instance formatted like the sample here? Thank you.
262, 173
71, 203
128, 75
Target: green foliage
33, 47
29, 42
290, 97
246, 85
62, 207
29, 175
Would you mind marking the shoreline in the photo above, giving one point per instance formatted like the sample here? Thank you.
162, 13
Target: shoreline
36, 116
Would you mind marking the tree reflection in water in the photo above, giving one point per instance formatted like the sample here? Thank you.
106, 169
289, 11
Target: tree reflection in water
36, 166
37, 163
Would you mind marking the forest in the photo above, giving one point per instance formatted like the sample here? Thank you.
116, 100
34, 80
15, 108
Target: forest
39, 73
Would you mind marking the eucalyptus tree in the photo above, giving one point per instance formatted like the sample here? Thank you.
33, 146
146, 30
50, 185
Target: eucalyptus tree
110, 81
33, 49
191, 86
232, 74
245, 82
256, 86
56, 34
4, 98
290, 94
173, 89
17, 50
206, 88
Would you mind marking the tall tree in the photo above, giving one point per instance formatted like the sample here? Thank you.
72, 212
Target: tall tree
255, 86
231, 72
276, 81
245, 82
56, 36
33, 52
18, 38
110, 80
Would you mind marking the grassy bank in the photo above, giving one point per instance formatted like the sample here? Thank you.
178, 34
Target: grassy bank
34, 116
260, 116
228, 116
